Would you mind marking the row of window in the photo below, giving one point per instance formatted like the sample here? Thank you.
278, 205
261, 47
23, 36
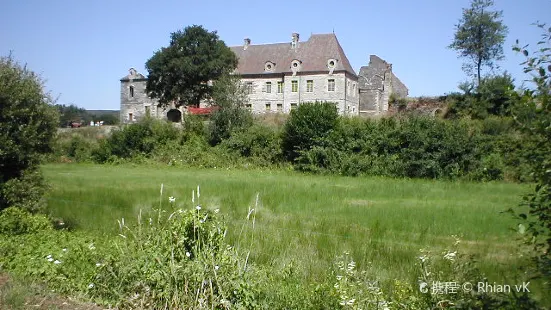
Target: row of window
279, 106
294, 86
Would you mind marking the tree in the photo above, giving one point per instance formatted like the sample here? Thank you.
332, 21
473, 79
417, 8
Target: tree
479, 37
230, 96
182, 72
536, 124
28, 124
306, 124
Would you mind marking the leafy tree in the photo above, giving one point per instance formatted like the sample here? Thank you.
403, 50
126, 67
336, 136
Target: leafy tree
307, 124
536, 123
231, 97
183, 71
479, 36
71, 113
27, 128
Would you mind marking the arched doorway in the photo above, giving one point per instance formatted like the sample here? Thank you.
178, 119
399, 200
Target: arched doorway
174, 115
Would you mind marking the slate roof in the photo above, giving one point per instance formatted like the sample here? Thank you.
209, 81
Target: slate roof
314, 55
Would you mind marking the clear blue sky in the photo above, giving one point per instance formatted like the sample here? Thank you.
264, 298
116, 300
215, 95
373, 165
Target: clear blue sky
83, 48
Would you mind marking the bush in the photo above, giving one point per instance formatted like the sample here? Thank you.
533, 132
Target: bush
259, 143
402, 147
15, 221
226, 121
309, 122
136, 140
28, 126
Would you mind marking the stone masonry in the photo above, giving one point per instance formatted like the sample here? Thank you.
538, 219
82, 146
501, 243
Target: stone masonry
281, 76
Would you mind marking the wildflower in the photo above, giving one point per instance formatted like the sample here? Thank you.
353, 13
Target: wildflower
150, 221
91, 285
198, 192
91, 245
198, 208
423, 258
188, 254
450, 256
57, 262
171, 199
50, 259
216, 267
98, 265
216, 210
193, 196
49, 256
64, 250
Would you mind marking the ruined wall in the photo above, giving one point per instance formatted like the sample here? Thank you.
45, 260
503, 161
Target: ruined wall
376, 83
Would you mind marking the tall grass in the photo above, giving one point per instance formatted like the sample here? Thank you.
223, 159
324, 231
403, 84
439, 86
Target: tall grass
304, 220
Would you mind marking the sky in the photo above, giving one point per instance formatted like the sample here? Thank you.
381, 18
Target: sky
83, 48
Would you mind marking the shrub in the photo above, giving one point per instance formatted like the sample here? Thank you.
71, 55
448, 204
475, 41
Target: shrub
136, 140
27, 128
259, 143
306, 124
402, 147
15, 221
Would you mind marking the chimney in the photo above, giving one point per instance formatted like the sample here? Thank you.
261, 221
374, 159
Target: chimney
294, 42
246, 43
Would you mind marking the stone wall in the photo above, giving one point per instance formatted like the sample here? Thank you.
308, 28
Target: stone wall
345, 94
376, 83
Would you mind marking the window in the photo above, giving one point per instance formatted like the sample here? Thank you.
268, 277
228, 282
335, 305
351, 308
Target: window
268, 87
331, 85
130, 117
148, 111
280, 107
309, 86
354, 89
294, 86
249, 88
131, 91
268, 106
279, 87
293, 105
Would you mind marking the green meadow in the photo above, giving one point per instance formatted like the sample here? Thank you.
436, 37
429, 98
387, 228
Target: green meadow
305, 220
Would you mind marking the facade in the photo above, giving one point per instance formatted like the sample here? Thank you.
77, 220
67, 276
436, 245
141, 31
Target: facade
279, 77
376, 83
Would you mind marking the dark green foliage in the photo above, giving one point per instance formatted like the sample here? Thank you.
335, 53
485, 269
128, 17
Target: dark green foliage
15, 221
479, 37
260, 143
230, 96
182, 71
494, 96
27, 129
139, 139
535, 121
72, 113
406, 147
308, 123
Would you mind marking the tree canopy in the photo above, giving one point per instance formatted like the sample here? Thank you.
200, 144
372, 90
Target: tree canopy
479, 37
28, 125
182, 72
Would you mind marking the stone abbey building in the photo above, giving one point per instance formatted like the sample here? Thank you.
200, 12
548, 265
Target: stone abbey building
280, 76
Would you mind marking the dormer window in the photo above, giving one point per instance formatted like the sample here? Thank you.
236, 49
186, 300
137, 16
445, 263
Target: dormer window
269, 66
295, 66
131, 91
331, 63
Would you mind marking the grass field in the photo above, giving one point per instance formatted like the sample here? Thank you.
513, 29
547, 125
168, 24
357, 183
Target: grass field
303, 219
